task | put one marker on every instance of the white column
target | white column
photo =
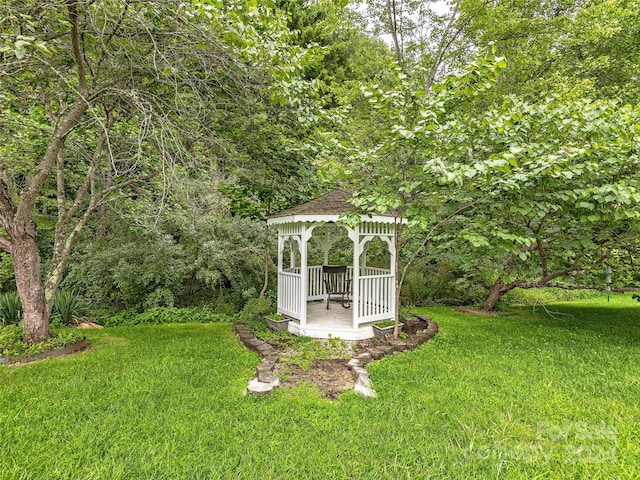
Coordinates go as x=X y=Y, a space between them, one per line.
x=279 y=293
x=354 y=235
x=306 y=231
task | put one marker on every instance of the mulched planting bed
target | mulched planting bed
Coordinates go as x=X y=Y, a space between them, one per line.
x=331 y=377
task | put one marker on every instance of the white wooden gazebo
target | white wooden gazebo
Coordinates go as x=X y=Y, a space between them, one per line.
x=301 y=292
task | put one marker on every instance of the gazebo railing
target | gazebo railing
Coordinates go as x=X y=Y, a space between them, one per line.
x=377 y=294
x=289 y=293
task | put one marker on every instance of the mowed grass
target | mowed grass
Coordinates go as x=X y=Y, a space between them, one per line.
x=523 y=396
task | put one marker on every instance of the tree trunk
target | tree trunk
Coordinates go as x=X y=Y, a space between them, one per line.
x=495 y=294
x=26 y=261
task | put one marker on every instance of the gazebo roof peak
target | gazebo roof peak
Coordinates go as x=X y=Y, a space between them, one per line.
x=335 y=202
x=326 y=208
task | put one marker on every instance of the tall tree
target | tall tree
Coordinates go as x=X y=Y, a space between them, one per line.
x=101 y=97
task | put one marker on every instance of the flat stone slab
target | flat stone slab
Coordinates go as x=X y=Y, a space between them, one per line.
x=271 y=357
x=259 y=388
x=265 y=367
x=359 y=371
x=412 y=344
x=386 y=349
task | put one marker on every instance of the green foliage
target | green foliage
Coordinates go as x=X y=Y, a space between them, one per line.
x=387 y=323
x=161 y=315
x=68 y=306
x=10 y=308
x=7 y=280
x=280 y=338
x=195 y=257
x=254 y=312
x=11 y=344
x=306 y=351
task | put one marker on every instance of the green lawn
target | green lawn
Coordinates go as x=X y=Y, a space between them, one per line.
x=525 y=396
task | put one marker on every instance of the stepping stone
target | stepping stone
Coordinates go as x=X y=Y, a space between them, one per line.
x=429 y=334
x=266 y=349
x=364 y=380
x=259 y=388
x=412 y=344
x=271 y=357
x=253 y=343
x=265 y=367
x=386 y=349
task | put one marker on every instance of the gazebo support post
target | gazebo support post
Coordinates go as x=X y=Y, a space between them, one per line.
x=354 y=235
x=307 y=231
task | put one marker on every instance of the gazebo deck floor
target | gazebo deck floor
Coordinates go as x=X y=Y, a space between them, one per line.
x=337 y=322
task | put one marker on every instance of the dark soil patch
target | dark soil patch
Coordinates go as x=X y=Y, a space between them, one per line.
x=332 y=377
x=411 y=327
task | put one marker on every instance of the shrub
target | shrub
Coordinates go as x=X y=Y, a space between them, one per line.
x=10 y=308
x=254 y=311
x=159 y=315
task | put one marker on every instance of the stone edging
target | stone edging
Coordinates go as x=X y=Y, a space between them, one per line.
x=265 y=380
x=363 y=386
x=69 y=349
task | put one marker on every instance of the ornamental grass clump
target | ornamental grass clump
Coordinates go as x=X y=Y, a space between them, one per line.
x=10 y=308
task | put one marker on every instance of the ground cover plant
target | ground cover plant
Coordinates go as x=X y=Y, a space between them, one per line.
x=520 y=396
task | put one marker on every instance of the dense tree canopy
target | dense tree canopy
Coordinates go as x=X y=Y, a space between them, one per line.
x=502 y=130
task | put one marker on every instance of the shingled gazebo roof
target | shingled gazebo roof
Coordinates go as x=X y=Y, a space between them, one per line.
x=332 y=203
x=326 y=208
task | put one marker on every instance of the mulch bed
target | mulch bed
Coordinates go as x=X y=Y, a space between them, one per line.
x=331 y=377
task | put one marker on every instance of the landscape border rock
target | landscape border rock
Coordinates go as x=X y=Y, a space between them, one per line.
x=265 y=381
x=363 y=385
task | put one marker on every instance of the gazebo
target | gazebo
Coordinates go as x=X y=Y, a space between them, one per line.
x=301 y=289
